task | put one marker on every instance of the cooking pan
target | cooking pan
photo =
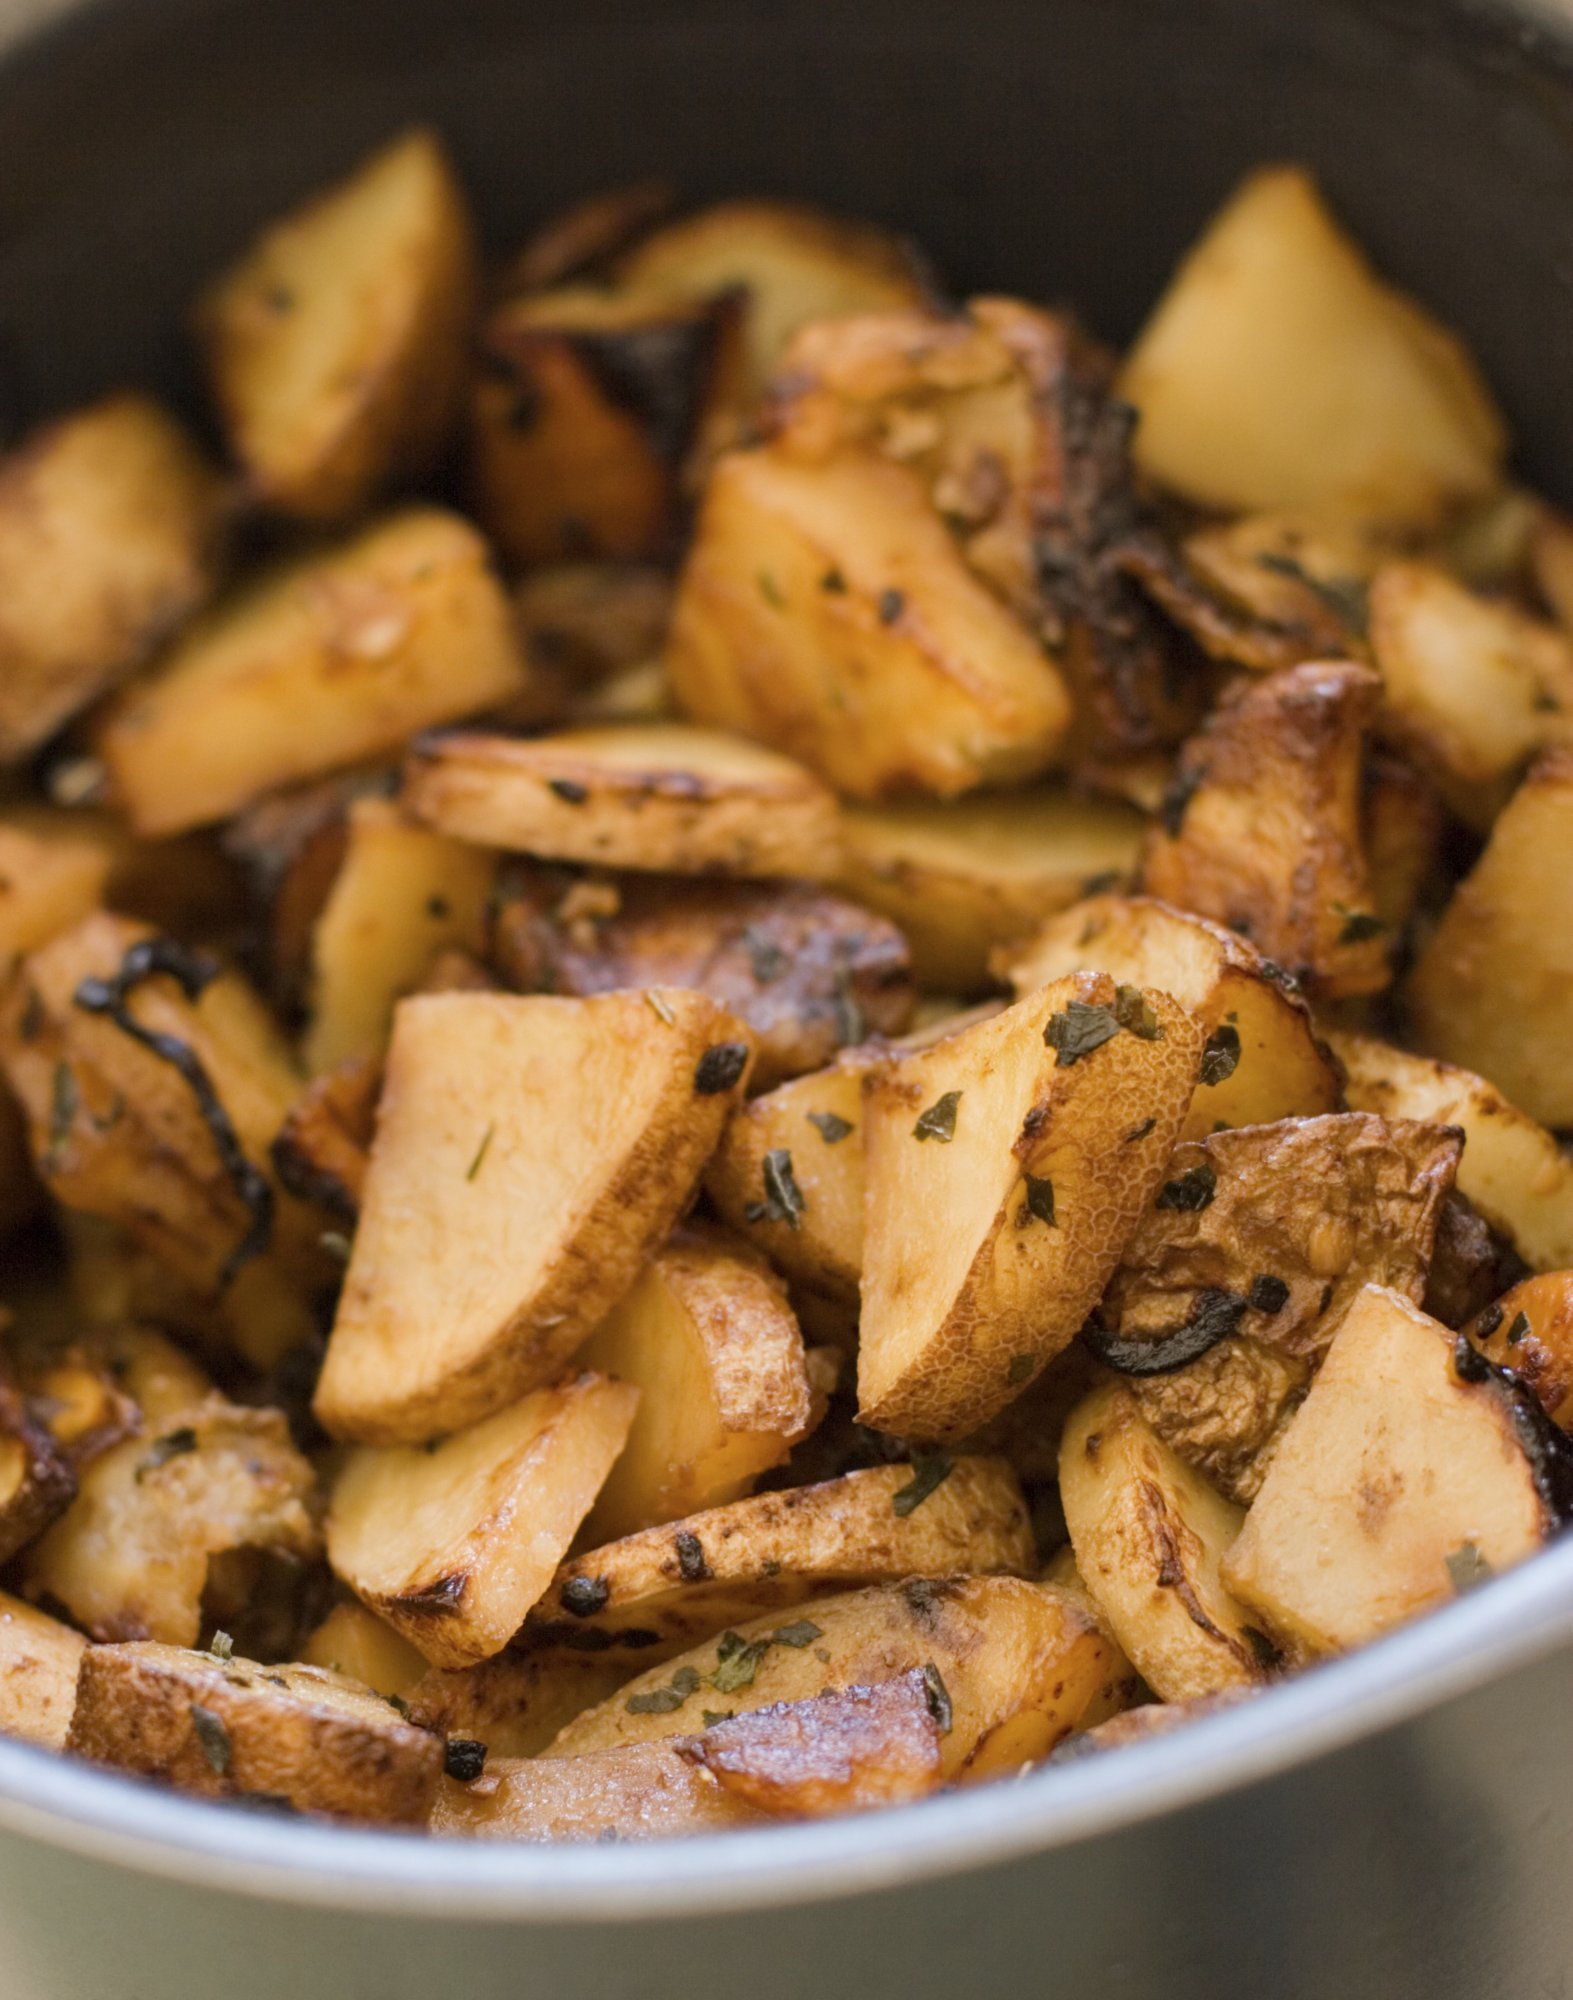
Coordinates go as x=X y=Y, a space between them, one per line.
x=1395 y=1825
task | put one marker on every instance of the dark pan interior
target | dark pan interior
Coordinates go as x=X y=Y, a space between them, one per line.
x=1065 y=149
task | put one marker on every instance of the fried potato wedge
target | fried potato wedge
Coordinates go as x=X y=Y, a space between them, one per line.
x=1030 y=1145
x=1144 y=1724
x=403 y=895
x=322 y=1147
x=1512 y=1170
x=1403 y=823
x=963 y=880
x=1277 y=589
x=1494 y=983
x=639 y=1791
x=54 y=868
x=453 y=1543
x=656 y=1593
x=1149 y=1534
x=37 y=1478
x=825 y=609
x=110 y=531
x=517 y=1702
x=707 y=1337
x=1226 y=1413
x=39 y=1661
x=291 y=1736
x=328 y=660
x=658 y=796
x=1530 y=1330
x=590 y=621
x=530 y=1153
x=356 y=1643
x=1262 y=1060
x=1279 y=371
x=336 y=344
x=1400 y=1483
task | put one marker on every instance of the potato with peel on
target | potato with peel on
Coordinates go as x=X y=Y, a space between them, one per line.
x=530 y=1153
x=655 y=1593
x=1262 y=1060
x=639 y=1791
x=453 y=1542
x=655 y=796
x=1007 y=1166
x=707 y=1337
x=1410 y=1474
x=357 y=1643
x=321 y=1150
x=336 y=344
x=516 y=1702
x=222 y=1727
x=1530 y=1330
x=1149 y=1534
x=39 y=1662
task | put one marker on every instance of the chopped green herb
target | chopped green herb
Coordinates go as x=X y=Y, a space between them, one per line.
x=1358 y=925
x=1221 y=1057
x=1079 y=1029
x=803 y=1632
x=397 y=1703
x=163 y=1449
x=1040 y=1198
x=1518 y=1328
x=221 y=1647
x=939 y=1121
x=771 y=591
x=830 y=1127
x=1135 y=1015
x=1191 y=1191
x=480 y=1153
x=1020 y=1369
x=938 y=1697
x=783 y=1200
x=851 y=1025
x=930 y=1470
x=737 y=1662
x=1140 y=1131
x=62 y=1111
x=659 y=1008
x=1467 y=1568
x=212 y=1738
x=569 y=790
x=1346 y=597
x=1489 y=1321
x=720 y=1067
x=833 y=582
x=766 y=957
x=665 y=1700
x=711 y=1716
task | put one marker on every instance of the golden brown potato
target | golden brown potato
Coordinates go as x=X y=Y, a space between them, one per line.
x=1149 y=1532
x=707 y=1337
x=110 y=526
x=1471 y=1264
x=1278 y=371
x=327 y=660
x=578 y=240
x=336 y=344
x=356 y=1643
x=825 y=609
x=517 y=1702
x=39 y=1660
x=321 y=1150
x=1402 y=822
x=291 y=1737
x=54 y=869
x=1015 y=1666
x=1494 y=983
x=689 y=801
x=37 y=1479
x=1226 y=1413
x=530 y=1153
x=641 y=1791
x=1262 y=831
x=806 y=971
x=1029 y=1145
x=1262 y=1060
x=1530 y=1330
x=590 y=621
x=402 y=895
x=656 y=1593
x=1401 y=1482
x=962 y=880
x=452 y=1543
x=1152 y=1719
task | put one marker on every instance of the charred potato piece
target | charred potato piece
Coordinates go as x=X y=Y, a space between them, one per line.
x=37 y=1482
x=39 y=1662
x=1471 y=1264
x=578 y=240
x=1403 y=823
x=591 y=621
x=1262 y=1060
x=1226 y=1413
x=1404 y=1480
x=517 y=1702
x=1030 y=1145
x=292 y=1736
x=807 y=972
x=336 y=345
x=529 y=1155
x=54 y=868
x=403 y=894
x=1494 y=983
x=640 y=1791
x=356 y=1643
x=965 y=879
x=1149 y=1534
x=110 y=525
x=686 y=801
x=1530 y=1330
x=321 y=1151
x=327 y=660
x=1262 y=829
x=661 y=1591
x=1278 y=371
x=708 y=1338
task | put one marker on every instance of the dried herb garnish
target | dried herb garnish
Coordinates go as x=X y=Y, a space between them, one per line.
x=1489 y=1321
x=1221 y=1056
x=1040 y=1198
x=212 y=1739
x=584 y=1596
x=1140 y=1131
x=930 y=1470
x=148 y=959
x=851 y=1023
x=1518 y=1329
x=1467 y=1568
x=1214 y=1315
x=766 y=957
x=830 y=1126
x=464 y=1758
x=1345 y=596
x=163 y=1449
x=1020 y=1369
x=711 y=1716
x=833 y=582
x=783 y=1200
x=659 y=1008
x=720 y=1067
x=62 y=1111
x=1358 y=925
x=939 y=1121
x=891 y=605
x=1182 y=788
x=1078 y=1029
x=771 y=591
x=802 y=1632
x=1268 y=1294
x=480 y=1153
x=1191 y=1191
x=737 y=1662
x=221 y=1647
x=1135 y=1015
x=938 y=1697
x=665 y=1700
x=397 y=1703
x=691 y=1564
x=1548 y=1449
x=569 y=790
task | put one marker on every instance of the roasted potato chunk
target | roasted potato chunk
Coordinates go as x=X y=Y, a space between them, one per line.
x=1403 y=824
x=356 y=1643
x=1403 y=1480
x=110 y=532
x=336 y=345
x=1225 y=1413
x=529 y=1155
x=686 y=801
x=327 y=660
x=825 y=609
x=1262 y=1060
x=54 y=869
x=321 y=1151
x=1494 y=984
x=517 y=1702
x=1031 y=1144
x=39 y=1661
x=37 y=1481
x=453 y=1543
x=807 y=972
x=1530 y=1330
x=1262 y=828
x=1149 y=1533
x=225 y=1728
x=1278 y=371
x=707 y=1337
x=1144 y=1724
x=965 y=879
x=639 y=1791
x=660 y=1591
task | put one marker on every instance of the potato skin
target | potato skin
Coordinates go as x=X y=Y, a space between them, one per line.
x=39 y=1661
x=641 y=1791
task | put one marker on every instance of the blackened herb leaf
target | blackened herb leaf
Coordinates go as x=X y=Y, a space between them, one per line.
x=584 y=1596
x=480 y=1153
x=1020 y=1369
x=212 y=1738
x=802 y=1632
x=939 y=1121
x=1213 y=1316
x=938 y=1697
x=1345 y=596
x=783 y=1200
x=1140 y=1131
x=1358 y=925
x=1135 y=1015
x=766 y=957
x=1489 y=1321
x=930 y=1470
x=720 y=1067
x=737 y=1662
x=569 y=790
x=464 y=1759
x=691 y=1564
x=1040 y=1198
x=1268 y=1294
x=830 y=1127
x=1518 y=1328
x=1191 y=1191
x=163 y=1449
x=1467 y=1568
x=1221 y=1057
x=833 y=582
x=665 y=1700
x=1079 y=1029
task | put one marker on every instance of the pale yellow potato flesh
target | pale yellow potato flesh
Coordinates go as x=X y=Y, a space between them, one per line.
x=39 y=1661
x=357 y=1643
x=638 y=1791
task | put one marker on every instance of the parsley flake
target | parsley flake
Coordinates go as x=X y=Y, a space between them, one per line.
x=939 y=1121
x=831 y=1127
x=1358 y=925
x=930 y=1470
x=175 y=1445
x=1040 y=1199
x=938 y=1697
x=1221 y=1056
x=665 y=1700
x=737 y=1662
x=720 y=1067
x=1467 y=1568
x=802 y=1632
x=1077 y=1030
x=1518 y=1328
x=212 y=1739
x=1191 y=1191
x=1135 y=1015
x=783 y=1200
x=480 y=1153
x=569 y=790
x=1268 y=1294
